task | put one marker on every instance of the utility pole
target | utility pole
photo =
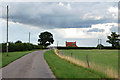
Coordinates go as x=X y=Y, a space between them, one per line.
x=57 y=43
x=99 y=42
x=29 y=37
x=7 y=33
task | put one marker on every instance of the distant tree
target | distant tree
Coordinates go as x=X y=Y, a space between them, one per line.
x=45 y=39
x=11 y=47
x=18 y=42
x=114 y=39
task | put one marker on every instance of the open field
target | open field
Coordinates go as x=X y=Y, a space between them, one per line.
x=64 y=69
x=101 y=57
x=12 y=56
x=104 y=61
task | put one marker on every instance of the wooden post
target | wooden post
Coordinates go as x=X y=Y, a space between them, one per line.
x=61 y=52
x=71 y=54
x=87 y=60
x=7 y=34
x=57 y=51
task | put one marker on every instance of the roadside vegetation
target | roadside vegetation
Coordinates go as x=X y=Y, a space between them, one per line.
x=12 y=57
x=65 y=69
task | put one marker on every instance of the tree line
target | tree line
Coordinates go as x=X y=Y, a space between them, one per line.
x=19 y=46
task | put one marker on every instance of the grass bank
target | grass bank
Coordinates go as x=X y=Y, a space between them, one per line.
x=12 y=57
x=64 y=69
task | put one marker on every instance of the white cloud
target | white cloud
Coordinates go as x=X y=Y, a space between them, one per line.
x=113 y=9
x=79 y=33
x=68 y=6
x=61 y=4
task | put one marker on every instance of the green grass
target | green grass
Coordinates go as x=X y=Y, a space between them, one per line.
x=64 y=69
x=107 y=58
x=12 y=56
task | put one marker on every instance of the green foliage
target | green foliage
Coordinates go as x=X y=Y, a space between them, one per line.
x=69 y=46
x=18 y=42
x=45 y=39
x=113 y=39
x=19 y=46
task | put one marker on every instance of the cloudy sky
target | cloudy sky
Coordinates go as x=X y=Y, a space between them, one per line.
x=83 y=22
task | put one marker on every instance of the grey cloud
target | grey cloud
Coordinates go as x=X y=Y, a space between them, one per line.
x=52 y=15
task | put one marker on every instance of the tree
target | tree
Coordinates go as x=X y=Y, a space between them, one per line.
x=46 y=39
x=113 y=39
x=18 y=42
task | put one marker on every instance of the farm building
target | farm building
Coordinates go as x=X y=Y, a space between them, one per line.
x=71 y=44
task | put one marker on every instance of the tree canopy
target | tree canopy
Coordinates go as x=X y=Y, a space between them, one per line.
x=45 y=39
x=114 y=40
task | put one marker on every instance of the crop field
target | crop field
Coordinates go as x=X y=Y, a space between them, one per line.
x=103 y=58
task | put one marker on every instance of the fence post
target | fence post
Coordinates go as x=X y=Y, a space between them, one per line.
x=61 y=52
x=87 y=60
x=57 y=51
x=71 y=54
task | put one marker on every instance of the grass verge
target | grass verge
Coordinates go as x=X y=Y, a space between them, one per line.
x=64 y=69
x=12 y=57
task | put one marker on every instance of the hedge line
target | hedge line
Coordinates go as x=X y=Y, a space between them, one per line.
x=19 y=47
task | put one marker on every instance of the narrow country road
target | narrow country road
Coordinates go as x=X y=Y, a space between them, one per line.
x=31 y=65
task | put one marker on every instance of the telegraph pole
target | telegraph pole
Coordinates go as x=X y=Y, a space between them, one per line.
x=100 y=43
x=7 y=33
x=57 y=43
x=29 y=37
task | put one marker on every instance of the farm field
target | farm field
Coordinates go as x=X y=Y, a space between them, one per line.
x=106 y=58
x=12 y=56
x=64 y=69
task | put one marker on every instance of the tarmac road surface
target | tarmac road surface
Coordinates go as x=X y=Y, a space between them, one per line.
x=32 y=65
